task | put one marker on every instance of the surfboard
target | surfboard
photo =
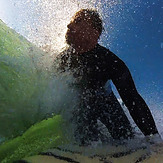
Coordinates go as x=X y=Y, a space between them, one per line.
x=47 y=141
x=102 y=154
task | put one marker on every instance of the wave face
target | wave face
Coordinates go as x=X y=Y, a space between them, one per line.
x=29 y=91
x=20 y=78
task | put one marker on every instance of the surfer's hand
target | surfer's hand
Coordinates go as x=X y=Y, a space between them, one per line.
x=156 y=143
x=154 y=139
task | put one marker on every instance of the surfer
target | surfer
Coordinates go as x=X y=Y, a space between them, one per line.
x=92 y=66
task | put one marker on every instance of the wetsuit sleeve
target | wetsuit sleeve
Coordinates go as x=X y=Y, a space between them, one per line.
x=137 y=107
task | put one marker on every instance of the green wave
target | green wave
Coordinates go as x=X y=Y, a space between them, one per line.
x=22 y=81
x=40 y=137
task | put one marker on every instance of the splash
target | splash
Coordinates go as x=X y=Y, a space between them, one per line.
x=31 y=92
x=45 y=21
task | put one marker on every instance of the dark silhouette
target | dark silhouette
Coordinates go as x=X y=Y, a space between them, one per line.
x=92 y=66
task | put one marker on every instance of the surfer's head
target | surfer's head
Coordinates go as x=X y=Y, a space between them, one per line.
x=93 y=16
x=84 y=30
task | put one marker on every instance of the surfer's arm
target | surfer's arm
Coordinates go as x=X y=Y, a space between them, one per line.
x=133 y=101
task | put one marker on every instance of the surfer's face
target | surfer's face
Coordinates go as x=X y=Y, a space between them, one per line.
x=80 y=33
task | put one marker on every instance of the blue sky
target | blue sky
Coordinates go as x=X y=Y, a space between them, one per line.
x=137 y=38
x=134 y=33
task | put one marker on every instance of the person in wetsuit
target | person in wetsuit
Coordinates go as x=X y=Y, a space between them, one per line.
x=92 y=66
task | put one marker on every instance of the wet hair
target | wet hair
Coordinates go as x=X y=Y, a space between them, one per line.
x=94 y=16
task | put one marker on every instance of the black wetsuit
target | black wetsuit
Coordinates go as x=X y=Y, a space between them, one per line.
x=92 y=70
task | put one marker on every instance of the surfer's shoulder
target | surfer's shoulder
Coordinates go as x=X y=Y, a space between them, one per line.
x=108 y=54
x=112 y=61
x=105 y=51
x=65 y=54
